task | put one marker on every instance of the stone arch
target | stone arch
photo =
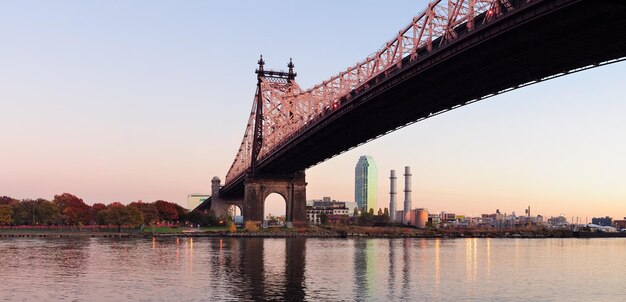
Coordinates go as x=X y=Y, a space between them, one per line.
x=235 y=209
x=275 y=209
x=292 y=188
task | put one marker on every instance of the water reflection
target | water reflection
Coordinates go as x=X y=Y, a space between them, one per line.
x=251 y=269
x=274 y=274
x=242 y=269
x=471 y=259
x=406 y=268
x=391 y=284
x=437 y=265
x=488 y=264
x=361 y=288
x=295 y=262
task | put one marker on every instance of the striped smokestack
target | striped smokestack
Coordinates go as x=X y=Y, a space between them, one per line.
x=407 y=195
x=392 y=196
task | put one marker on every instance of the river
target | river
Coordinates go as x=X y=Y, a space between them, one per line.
x=209 y=269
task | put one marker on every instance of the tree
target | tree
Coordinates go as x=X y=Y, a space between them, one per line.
x=149 y=211
x=204 y=218
x=6 y=200
x=135 y=218
x=367 y=218
x=232 y=227
x=386 y=215
x=117 y=214
x=74 y=210
x=167 y=210
x=356 y=212
x=251 y=226
x=182 y=212
x=98 y=213
x=24 y=212
x=6 y=214
x=101 y=217
x=323 y=218
x=46 y=212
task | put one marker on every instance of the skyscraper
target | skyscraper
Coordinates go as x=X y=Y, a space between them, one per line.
x=365 y=184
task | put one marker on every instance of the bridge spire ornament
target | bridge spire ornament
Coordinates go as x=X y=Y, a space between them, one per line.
x=261 y=63
x=291 y=76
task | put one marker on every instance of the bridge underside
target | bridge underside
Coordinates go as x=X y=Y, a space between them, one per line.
x=537 y=40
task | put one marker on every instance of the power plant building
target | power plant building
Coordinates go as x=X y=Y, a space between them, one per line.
x=365 y=185
x=419 y=218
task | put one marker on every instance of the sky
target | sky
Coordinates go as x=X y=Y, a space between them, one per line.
x=147 y=100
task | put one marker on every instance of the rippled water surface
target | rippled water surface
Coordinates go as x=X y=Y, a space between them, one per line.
x=207 y=269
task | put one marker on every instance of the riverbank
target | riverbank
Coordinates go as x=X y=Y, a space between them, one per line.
x=310 y=232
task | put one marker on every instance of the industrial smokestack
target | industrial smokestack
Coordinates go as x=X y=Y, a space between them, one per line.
x=407 y=195
x=392 y=196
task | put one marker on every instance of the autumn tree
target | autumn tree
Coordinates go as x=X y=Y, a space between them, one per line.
x=182 y=212
x=167 y=210
x=6 y=214
x=149 y=211
x=74 y=210
x=6 y=200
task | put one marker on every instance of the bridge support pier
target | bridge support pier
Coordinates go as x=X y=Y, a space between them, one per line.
x=291 y=187
x=219 y=205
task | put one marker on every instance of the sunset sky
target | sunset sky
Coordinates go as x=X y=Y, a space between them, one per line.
x=146 y=100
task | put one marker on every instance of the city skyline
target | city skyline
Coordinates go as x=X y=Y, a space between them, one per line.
x=126 y=111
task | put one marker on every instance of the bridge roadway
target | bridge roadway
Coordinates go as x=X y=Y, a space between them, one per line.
x=536 y=40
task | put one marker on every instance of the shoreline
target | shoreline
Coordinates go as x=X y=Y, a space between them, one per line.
x=324 y=233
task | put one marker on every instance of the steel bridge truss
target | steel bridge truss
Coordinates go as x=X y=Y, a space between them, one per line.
x=281 y=109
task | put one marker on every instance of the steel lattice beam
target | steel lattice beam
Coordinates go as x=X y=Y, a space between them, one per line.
x=281 y=109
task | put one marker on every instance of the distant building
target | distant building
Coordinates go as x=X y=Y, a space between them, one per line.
x=331 y=208
x=447 y=217
x=351 y=205
x=365 y=184
x=602 y=221
x=601 y=228
x=559 y=221
x=434 y=220
x=620 y=224
x=194 y=200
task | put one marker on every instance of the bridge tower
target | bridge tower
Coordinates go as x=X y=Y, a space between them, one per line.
x=258 y=186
